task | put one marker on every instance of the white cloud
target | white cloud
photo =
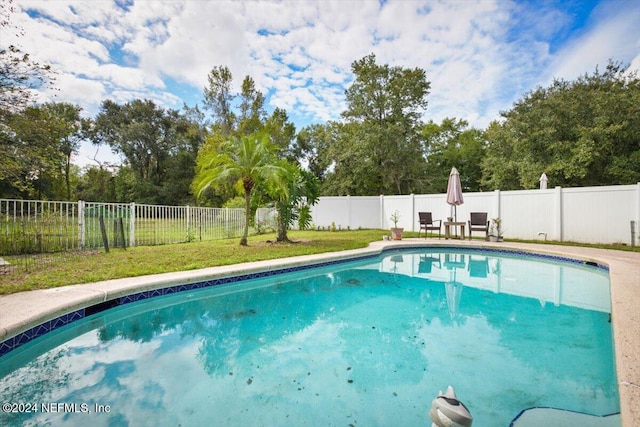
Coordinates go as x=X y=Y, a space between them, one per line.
x=58 y=36
x=612 y=33
x=199 y=36
x=85 y=92
x=480 y=56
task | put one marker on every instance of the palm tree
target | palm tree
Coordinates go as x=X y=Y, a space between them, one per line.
x=300 y=190
x=247 y=160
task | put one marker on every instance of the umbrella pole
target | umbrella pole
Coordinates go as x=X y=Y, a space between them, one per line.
x=454 y=208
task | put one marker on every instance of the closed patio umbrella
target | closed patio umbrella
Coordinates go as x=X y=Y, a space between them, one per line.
x=454 y=191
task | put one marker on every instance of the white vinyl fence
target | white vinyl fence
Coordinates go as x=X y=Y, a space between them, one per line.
x=607 y=214
x=30 y=226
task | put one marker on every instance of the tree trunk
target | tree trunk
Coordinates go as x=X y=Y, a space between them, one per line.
x=67 y=178
x=247 y=215
x=281 y=230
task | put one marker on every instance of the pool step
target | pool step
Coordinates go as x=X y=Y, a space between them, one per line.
x=551 y=417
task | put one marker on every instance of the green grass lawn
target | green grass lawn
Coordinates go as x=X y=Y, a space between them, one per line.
x=94 y=266
x=55 y=234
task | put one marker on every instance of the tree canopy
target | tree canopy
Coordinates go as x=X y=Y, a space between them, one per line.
x=452 y=143
x=38 y=142
x=580 y=133
x=378 y=150
x=159 y=146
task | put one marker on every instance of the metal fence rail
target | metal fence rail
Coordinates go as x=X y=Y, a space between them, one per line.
x=265 y=219
x=29 y=226
x=36 y=227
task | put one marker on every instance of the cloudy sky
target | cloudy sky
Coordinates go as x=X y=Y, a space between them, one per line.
x=480 y=56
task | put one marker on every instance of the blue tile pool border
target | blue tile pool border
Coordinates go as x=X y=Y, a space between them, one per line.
x=44 y=328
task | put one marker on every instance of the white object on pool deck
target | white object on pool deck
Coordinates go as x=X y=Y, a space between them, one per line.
x=550 y=417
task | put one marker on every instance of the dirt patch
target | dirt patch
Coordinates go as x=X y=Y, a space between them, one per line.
x=268 y=243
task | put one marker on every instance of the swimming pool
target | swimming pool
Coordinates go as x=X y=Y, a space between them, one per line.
x=368 y=342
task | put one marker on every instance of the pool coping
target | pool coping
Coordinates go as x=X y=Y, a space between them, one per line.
x=23 y=311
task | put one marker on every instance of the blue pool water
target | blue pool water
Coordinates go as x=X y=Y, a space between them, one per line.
x=361 y=343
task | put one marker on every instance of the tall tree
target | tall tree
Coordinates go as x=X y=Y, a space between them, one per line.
x=151 y=139
x=40 y=141
x=580 y=133
x=384 y=106
x=251 y=117
x=282 y=132
x=501 y=163
x=247 y=116
x=248 y=160
x=69 y=132
x=237 y=119
x=311 y=148
x=31 y=155
x=218 y=97
x=350 y=166
x=448 y=144
x=97 y=184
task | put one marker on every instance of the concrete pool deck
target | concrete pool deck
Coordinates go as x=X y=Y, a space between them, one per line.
x=21 y=311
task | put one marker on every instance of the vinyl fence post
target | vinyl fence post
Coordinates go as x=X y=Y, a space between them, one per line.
x=348 y=211
x=558 y=226
x=382 y=227
x=81 y=224
x=413 y=212
x=132 y=224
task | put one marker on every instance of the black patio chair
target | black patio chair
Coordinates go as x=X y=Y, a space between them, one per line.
x=427 y=223
x=479 y=222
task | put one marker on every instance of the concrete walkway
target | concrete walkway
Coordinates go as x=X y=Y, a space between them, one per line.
x=22 y=311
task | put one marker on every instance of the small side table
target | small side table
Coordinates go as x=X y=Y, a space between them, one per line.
x=449 y=224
